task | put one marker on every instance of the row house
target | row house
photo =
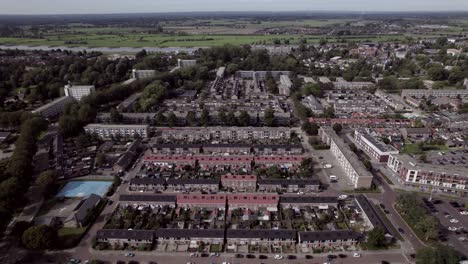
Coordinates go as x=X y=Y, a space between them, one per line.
x=266 y=237
x=111 y=130
x=308 y=201
x=239 y=183
x=176 y=148
x=227 y=148
x=253 y=201
x=416 y=134
x=370 y=215
x=124 y=237
x=375 y=148
x=152 y=200
x=428 y=177
x=269 y=149
x=193 y=185
x=147 y=184
x=337 y=239
x=293 y=185
x=202 y=200
x=354 y=170
x=361 y=122
x=191 y=237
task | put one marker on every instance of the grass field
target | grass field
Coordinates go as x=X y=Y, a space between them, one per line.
x=163 y=40
x=416 y=149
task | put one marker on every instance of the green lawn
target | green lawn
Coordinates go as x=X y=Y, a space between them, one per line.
x=69 y=236
x=416 y=148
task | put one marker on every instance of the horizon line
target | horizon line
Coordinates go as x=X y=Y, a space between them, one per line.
x=245 y=11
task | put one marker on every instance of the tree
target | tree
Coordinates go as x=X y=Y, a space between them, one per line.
x=312 y=88
x=269 y=117
x=191 y=118
x=437 y=73
x=39 y=237
x=231 y=118
x=310 y=128
x=376 y=238
x=205 y=117
x=439 y=254
x=115 y=115
x=337 y=127
x=46 y=182
x=171 y=119
x=100 y=159
x=222 y=116
x=244 y=118
x=271 y=85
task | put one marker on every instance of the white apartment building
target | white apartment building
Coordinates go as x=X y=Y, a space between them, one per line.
x=78 y=91
x=186 y=63
x=450 y=93
x=427 y=177
x=54 y=108
x=108 y=131
x=359 y=176
x=143 y=74
x=375 y=148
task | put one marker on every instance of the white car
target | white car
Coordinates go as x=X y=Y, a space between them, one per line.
x=454 y=221
x=452 y=228
x=356 y=255
x=343 y=197
x=300 y=193
x=278 y=257
x=464 y=212
x=463 y=239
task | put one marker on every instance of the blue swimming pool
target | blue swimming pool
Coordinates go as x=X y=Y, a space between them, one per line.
x=84 y=188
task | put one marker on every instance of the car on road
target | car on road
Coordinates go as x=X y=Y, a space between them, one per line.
x=300 y=193
x=291 y=257
x=193 y=254
x=214 y=255
x=356 y=255
x=239 y=256
x=129 y=254
x=452 y=228
x=250 y=256
x=342 y=255
x=278 y=257
x=263 y=257
x=455 y=204
x=401 y=230
x=464 y=212
x=309 y=256
x=463 y=239
x=74 y=261
x=330 y=257
x=453 y=221
x=343 y=197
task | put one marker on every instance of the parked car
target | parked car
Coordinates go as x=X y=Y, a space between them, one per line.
x=401 y=230
x=129 y=254
x=356 y=255
x=278 y=257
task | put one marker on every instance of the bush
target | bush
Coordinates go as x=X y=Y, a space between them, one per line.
x=39 y=237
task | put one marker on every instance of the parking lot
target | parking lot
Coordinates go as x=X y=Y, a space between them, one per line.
x=326 y=157
x=450 y=218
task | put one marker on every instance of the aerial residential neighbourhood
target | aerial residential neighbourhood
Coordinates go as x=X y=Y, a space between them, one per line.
x=262 y=133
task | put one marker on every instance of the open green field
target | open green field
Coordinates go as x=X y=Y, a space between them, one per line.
x=163 y=40
x=416 y=149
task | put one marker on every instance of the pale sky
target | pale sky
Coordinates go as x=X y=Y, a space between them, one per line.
x=149 y=6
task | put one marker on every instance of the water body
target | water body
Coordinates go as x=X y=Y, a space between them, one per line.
x=104 y=49
x=84 y=188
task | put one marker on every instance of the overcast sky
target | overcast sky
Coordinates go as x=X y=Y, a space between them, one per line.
x=138 y=6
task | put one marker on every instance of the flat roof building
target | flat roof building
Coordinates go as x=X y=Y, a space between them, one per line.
x=376 y=148
x=54 y=108
x=354 y=170
x=109 y=131
x=78 y=91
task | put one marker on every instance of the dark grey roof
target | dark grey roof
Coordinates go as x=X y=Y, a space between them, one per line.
x=226 y=146
x=147 y=198
x=4 y=134
x=125 y=234
x=288 y=182
x=369 y=210
x=148 y=181
x=173 y=146
x=327 y=235
x=189 y=233
x=125 y=160
x=86 y=207
x=261 y=233
x=308 y=199
x=277 y=146
x=192 y=181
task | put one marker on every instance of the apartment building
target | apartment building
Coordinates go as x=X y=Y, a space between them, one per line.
x=427 y=177
x=374 y=147
x=239 y=183
x=389 y=100
x=308 y=201
x=128 y=103
x=231 y=134
x=354 y=170
x=54 y=108
x=186 y=63
x=267 y=237
x=143 y=74
x=146 y=184
x=109 y=131
x=361 y=122
x=78 y=91
x=419 y=93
